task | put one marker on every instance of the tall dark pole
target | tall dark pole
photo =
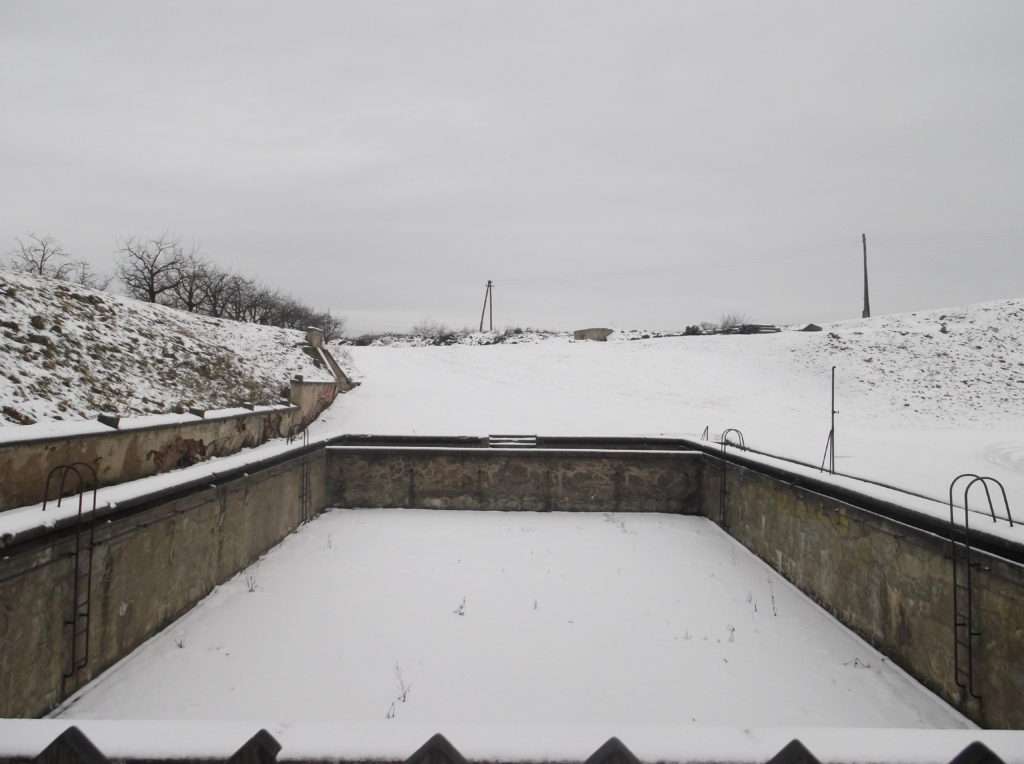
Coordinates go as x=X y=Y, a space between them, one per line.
x=487 y=299
x=867 y=301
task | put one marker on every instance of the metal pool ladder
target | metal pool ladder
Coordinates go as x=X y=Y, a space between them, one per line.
x=78 y=619
x=965 y=626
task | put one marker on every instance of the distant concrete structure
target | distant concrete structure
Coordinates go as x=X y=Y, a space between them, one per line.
x=595 y=335
x=315 y=336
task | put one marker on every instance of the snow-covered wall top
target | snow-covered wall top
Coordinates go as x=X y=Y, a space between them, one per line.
x=69 y=353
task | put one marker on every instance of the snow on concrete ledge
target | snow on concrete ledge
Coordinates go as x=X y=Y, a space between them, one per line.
x=226 y=413
x=155 y=420
x=45 y=430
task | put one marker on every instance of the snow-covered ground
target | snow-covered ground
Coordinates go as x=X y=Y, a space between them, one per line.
x=69 y=353
x=965 y=412
x=419 y=616
x=921 y=397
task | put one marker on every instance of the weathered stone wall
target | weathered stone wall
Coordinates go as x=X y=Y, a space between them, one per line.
x=889 y=582
x=312 y=398
x=120 y=455
x=130 y=454
x=150 y=565
x=531 y=479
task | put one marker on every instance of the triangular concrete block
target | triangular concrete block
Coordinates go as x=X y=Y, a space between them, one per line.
x=437 y=750
x=71 y=747
x=261 y=748
x=977 y=753
x=795 y=752
x=613 y=751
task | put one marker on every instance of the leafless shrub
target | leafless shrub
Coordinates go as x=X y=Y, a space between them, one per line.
x=403 y=688
x=732 y=321
x=432 y=329
x=403 y=693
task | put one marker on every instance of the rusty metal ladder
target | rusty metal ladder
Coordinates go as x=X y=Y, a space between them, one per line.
x=77 y=620
x=966 y=629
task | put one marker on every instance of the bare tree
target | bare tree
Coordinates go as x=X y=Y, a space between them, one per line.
x=150 y=268
x=332 y=325
x=217 y=289
x=240 y=291
x=190 y=292
x=81 y=272
x=262 y=306
x=42 y=256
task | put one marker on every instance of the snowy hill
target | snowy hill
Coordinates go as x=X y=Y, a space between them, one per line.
x=955 y=365
x=67 y=352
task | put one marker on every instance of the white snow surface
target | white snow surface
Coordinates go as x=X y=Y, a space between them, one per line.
x=430 y=616
x=70 y=353
x=917 y=405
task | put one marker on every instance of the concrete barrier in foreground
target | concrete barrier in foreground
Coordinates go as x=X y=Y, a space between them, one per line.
x=298 y=743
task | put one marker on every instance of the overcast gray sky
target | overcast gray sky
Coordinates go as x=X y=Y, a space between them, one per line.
x=606 y=163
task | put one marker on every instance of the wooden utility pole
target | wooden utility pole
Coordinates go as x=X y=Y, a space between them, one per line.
x=867 y=302
x=488 y=301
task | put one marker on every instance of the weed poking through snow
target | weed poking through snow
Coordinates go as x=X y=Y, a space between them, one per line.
x=461 y=609
x=857 y=663
x=403 y=688
x=250 y=582
x=403 y=693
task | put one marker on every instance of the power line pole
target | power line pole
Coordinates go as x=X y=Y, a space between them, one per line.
x=867 y=302
x=488 y=300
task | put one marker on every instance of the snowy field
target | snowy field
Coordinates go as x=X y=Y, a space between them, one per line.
x=417 y=616
x=922 y=397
